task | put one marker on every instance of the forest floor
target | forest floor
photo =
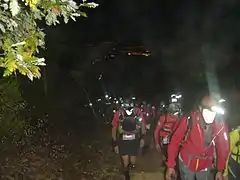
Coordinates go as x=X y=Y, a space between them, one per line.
x=71 y=155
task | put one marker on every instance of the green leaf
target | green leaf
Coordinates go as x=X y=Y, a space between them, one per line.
x=83 y=14
x=14 y=7
x=2 y=28
x=90 y=5
x=20 y=36
x=7 y=73
x=73 y=18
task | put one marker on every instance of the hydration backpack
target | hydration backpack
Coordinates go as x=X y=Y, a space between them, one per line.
x=129 y=123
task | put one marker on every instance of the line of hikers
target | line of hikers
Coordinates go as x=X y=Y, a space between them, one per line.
x=195 y=145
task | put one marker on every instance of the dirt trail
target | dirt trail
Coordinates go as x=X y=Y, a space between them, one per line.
x=149 y=167
x=67 y=157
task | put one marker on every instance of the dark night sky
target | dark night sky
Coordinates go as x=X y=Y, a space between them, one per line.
x=161 y=25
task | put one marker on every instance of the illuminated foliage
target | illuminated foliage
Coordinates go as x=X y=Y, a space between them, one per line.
x=21 y=37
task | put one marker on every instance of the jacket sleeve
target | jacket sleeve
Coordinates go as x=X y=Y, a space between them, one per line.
x=115 y=119
x=158 y=128
x=222 y=147
x=140 y=113
x=174 y=144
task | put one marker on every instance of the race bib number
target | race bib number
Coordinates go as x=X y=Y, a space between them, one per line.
x=165 y=140
x=127 y=137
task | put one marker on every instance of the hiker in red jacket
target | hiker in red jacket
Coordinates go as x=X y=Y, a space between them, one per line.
x=128 y=130
x=166 y=126
x=203 y=142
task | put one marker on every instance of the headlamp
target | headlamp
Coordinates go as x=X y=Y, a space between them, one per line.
x=179 y=96
x=129 y=112
x=222 y=101
x=176 y=113
x=218 y=110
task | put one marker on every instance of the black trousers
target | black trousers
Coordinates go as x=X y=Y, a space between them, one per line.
x=233 y=169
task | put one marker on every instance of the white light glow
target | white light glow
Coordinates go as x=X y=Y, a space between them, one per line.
x=209 y=116
x=174 y=100
x=218 y=109
x=129 y=112
x=225 y=136
x=179 y=96
x=221 y=100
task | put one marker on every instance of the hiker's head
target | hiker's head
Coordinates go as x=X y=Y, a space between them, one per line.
x=209 y=108
x=174 y=109
x=127 y=104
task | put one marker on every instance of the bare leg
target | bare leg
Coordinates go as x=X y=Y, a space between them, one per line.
x=125 y=167
x=133 y=160
x=125 y=161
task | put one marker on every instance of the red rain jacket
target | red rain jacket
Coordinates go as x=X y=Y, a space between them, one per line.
x=194 y=145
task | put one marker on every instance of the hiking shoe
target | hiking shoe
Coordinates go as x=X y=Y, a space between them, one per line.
x=132 y=166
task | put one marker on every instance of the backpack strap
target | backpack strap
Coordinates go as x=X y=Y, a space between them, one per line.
x=121 y=115
x=189 y=128
x=165 y=118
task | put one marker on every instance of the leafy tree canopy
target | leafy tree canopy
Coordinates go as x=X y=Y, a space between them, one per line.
x=21 y=37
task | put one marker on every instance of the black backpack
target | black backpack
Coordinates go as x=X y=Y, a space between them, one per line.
x=129 y=123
